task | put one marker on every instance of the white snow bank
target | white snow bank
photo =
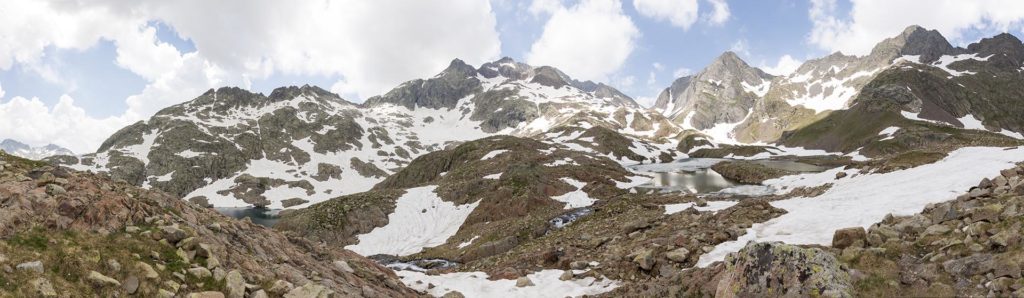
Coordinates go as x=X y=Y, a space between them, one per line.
x=577 y=198
x=420 y=220
x=467 y=243
x=783 y=151
x=492 y=154
x=476 y=284
x=712 y=206
x=887 y=132
x=633 y=181
x=866 y=199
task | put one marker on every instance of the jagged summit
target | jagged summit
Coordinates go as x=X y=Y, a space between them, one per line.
x=721 y=93
x=916 y=40
x=289 y=92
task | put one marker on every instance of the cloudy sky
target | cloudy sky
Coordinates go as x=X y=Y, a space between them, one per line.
x=72 y=72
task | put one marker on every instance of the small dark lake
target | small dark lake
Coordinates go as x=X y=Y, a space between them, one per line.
x=694 y=175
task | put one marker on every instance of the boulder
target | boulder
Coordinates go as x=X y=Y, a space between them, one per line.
x=55 y=190
x=566 y=275
x=847 y=237
x=280 y=287
x=976 y=264
x=774 y=269
x=147 y=270
x=310 y=290
x=678 y=255
x=130 y=285
x=34 y=266
x=453 y=294
x=207 y=294
x=936 y=230
x=100 y=280
x=43 y=288
x=578 y=265
x=343 y=266
x=524 y=282
x=989 y=213
x=164 y=294
x=644 y=259
x=173 y=234
x=200 y=272
x=235 y=284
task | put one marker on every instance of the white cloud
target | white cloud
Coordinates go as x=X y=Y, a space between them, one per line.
x=32 y=122
x=871 y=21
x=682 y=72
x=785 y=66
x=362 y=42
x=652 y=79
x=719 y=12
x=142 y=53
x=657 y=66
x=680 y=13
x=1 y=91
x=542 y=7
x=645 y=101
x=589 y=40
x=740 y=48
x=626 y=82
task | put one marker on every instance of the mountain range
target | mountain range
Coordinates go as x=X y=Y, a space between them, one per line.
x=514 y=179
x=23 y=150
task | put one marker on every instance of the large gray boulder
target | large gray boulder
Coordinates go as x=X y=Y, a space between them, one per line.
x=776 y=269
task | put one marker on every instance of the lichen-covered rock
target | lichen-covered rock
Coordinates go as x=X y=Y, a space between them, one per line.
x=776 y=269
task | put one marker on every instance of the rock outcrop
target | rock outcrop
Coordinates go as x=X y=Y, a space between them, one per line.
x=107 y=238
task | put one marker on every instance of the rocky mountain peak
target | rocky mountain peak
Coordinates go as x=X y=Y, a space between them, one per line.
x=915 y=40
x=549 y=76
x=287 y=93
x=721 y=93
x=459 y=69
x=1003 y=43
x=728 y=58
x=729 y=64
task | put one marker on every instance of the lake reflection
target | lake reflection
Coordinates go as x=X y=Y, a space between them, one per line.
x=696 y=181
x=260 y=216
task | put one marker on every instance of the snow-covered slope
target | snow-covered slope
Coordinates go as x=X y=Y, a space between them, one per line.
x=301 y=145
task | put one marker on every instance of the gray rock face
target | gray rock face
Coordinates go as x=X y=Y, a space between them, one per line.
x=722 y=93
x=443 y=91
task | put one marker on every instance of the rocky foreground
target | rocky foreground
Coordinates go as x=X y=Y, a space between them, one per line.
x=75 y=234
x=969 y=247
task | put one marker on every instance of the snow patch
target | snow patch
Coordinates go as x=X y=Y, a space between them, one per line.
x=467 y=243
x=420 y=220
x=475 y=284
x=577 y=198
x=714 y=206
x=887 y=132
x=492 y=154
x=867 y=198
